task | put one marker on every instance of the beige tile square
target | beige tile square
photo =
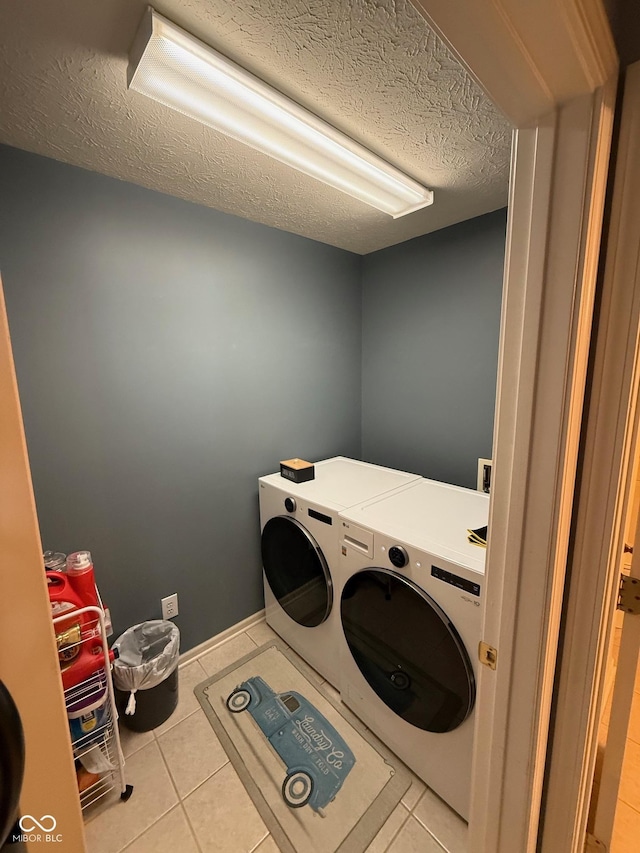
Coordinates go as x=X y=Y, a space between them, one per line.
x=634 y=721
x=188 y=677
x=617 y=636
x=414 y=793
x=192 y=752
x=153 y=796
x=227 y=653
x=132 y=741
x=222 y=815
x=389 y=830
x=171 y=834
x=414 y=838
x=442 y=822
x=262 y=633
x=626 y=829
x=630 y=778
x=606 y=711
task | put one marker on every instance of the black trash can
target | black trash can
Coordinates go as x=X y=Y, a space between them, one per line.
x=145 y=674
x=153 y=706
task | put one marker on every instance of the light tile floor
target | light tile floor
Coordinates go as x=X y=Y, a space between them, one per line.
x=626 y=830
x=188 y=798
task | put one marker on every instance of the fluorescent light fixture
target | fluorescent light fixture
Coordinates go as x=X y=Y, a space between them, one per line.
x=175 y=69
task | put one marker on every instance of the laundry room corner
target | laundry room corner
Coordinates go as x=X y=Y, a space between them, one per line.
x=167 y=354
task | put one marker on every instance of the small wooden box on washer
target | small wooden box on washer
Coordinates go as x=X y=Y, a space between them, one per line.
x=297 y=470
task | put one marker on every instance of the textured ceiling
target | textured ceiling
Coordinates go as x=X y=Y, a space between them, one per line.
x=372 y=68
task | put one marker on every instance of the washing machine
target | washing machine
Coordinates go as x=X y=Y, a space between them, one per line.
x=411 y=614
x=301 y=551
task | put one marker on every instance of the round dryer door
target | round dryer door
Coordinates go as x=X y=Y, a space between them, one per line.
x=407 y=650
x=296 y=571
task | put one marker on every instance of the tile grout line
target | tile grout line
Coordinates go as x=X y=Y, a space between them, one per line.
x=399 y=830
x=171 y=728
x=190 y=825
x=164 y=814
x=138 y=837
x=228 y=761
x=175 y=787
x=437 y=840
x=628 y=805
x=428 y=831
x=177 y=723
x=216 y=647
x=187 y=660
x=210 y=776
x=264 y=838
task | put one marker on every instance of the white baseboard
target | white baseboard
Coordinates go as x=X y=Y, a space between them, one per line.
x=222 y=637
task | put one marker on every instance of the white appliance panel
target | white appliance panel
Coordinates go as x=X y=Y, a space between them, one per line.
x=337 y=483
x=425 y=524
x=431 y=516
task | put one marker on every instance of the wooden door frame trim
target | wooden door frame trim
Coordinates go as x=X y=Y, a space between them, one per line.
x=29 y=663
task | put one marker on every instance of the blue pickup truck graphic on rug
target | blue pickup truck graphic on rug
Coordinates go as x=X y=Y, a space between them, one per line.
x=317 y=759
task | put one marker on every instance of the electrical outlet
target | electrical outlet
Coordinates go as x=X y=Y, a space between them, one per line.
x=169 y=606
x=484 y=475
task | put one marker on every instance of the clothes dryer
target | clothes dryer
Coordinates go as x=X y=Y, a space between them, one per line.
x=411 y=613
x=301 y=551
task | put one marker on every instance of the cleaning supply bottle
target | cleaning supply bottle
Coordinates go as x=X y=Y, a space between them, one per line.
x=69 y=632
x=81 y=577
x=54 y=561
x=89 y=660
x=79 y=643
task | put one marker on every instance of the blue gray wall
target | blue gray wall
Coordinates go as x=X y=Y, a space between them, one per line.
x=167 y=355
x=430 y=328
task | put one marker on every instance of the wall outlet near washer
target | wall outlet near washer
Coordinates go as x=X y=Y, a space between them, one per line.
x=484 y=475
x=169 y=606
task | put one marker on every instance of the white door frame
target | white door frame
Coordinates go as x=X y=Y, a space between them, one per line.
x=550 y=66
x=611 y=441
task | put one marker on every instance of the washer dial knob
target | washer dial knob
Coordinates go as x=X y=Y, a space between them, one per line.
x=398 y=556
x=290 y=504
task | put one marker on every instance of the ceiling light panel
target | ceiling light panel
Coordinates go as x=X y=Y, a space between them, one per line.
x=177 y=70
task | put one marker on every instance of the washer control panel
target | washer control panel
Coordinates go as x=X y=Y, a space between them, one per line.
x=290 y=504
x=455 y=580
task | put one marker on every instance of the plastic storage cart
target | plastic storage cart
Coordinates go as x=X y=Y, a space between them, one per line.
x=89 y=697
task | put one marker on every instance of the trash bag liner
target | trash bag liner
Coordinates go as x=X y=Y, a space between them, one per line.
x=148 y=653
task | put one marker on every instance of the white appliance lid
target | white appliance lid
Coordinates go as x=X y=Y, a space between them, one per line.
x=340 y=482
x=430 y=516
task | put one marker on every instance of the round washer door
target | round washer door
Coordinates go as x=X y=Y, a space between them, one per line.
x=296 y=571
x=407 y=649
